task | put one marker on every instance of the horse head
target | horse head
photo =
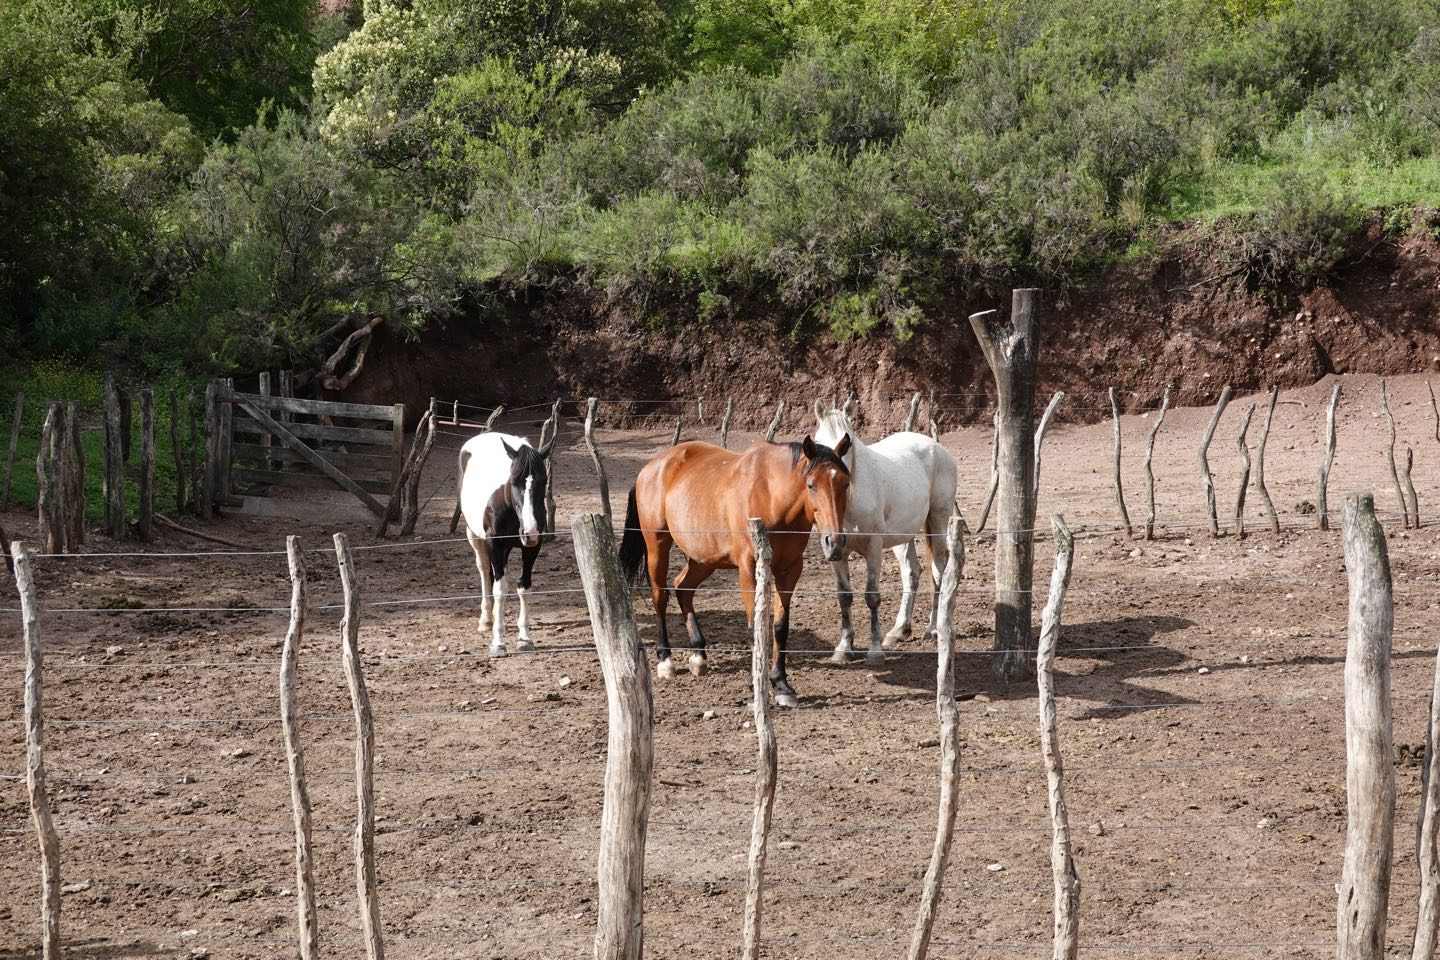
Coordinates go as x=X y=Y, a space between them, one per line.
x=528 y=480
x=827 y=491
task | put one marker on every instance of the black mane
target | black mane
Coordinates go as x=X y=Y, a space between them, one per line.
x=823 y=454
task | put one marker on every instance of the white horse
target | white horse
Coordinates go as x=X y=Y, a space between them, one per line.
x=901 y=487
x=502 y=492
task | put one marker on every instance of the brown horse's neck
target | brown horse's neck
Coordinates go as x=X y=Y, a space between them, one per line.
x=789 y=506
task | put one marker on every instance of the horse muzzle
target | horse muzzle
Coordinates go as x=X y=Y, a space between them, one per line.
x=530 y=539
x=832 y=545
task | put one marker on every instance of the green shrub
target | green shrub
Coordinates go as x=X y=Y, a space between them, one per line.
x=1295 y=238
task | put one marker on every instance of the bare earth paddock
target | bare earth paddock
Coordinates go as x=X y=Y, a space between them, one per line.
x=1200 y=701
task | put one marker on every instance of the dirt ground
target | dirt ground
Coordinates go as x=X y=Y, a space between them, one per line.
x=1200 y=685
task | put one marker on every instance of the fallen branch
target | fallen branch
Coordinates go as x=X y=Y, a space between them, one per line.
x=165 y=521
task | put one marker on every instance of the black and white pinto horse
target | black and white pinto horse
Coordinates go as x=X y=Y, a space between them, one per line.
x=502 y=494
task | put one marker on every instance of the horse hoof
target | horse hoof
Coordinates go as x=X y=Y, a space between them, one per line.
x=697 y=665
x=525 y=645
x=788 y=700
x=840 y=655
x=497 y=651
x=484 y=626
x=894 y=637
x=875 y=658
x=665 y=669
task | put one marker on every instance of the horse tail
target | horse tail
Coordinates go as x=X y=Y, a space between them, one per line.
x=632 y=544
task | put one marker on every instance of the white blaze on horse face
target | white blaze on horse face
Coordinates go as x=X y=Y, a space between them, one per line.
x=529 y=526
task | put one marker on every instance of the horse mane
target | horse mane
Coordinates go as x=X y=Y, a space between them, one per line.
x=527 y=461
x=823 y=454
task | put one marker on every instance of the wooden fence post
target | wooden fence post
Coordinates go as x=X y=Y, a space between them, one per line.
x=1149 y=471
x=1394 y=475
x=1322 y=509
x=1427 y=833
x=49 y=480
x=1260 y=464
x=1364 y=887
x=774 y=427
x=619 y=933
x=675 y=440
x=550 y=485
x=495 y=414
x=994 y=473
x=127 y=423
x=949 y=714
x=767 y=761
x=1119 y=488
x=114 y=463
x=364 y=754
x=35 y=753
x=208 y=478
x=177 y=452
x=1205 y=479
x=1062 y=856
x=725 y=423
x=227 y=437
x=416 y=470
x=603 y=480
x=74 y=473
x=1011 y=349
x=295 y=754
x=1244 y=471
x=1410 y=495
x=1045 y=418
x=914 y=411
x=147 y=461
x=14 y=442
x=265 y=440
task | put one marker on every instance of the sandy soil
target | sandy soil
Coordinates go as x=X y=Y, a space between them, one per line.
x=1201 y=721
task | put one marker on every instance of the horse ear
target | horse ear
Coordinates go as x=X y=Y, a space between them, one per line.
x=849 y=407
x=819 y=409
x=807 y=447
x=510 y=450
x=843 y=446
x=545 y=450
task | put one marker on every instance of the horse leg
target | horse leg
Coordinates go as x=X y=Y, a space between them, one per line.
x=874 y=554
x=785 y=581
x=845 y=647
x=937 y=559
x=527 y=564
x=691 y=576
x=482 y=562
x=657 y=558
x=909 y=583
x=501 y=558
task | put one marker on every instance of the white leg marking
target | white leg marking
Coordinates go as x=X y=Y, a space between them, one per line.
x=909 y=579
x=524 y=643
x=497 y=639
x=847 y=597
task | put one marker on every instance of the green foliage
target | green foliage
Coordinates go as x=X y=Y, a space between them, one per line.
x=1295 y=238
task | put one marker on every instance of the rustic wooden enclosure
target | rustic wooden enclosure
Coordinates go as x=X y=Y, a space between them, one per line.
x=281 y=442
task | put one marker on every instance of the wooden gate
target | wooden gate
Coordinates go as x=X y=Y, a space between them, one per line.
x=269 y=442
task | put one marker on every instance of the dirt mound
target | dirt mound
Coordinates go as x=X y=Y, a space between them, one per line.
x=1177 y=321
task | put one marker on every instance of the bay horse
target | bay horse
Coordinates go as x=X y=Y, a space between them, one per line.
x=502 y=491
x=901 y=487
x=700 y=497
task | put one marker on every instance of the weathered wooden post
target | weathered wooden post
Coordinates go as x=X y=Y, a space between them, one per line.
x=1322 y=509
x=1045 y=418
x=949 y=714
x=1011 y=349
x=914 y=411
x=14 y=442
x=550 y=486
x=1149 y=471
x=774 y=427
x=767 y=761
x=49 y=480
x=208 y=490
x=1119 y=488
x=1427 y=835
x=114 y=463
x=177 y=453
x=725 y=423
x=127 y=424
x=35 y=753
x=1205 y=479
x=495 y=414
x=74 y=478
x=227 y=437
x=1410 y=495
x=1062 y=855
x=1390 y=453
x=1434 y=411
x=620 y=933
x=994 y=473
x=295 y=754
x=365 y=880
x=603 y=480
x=1260 y=464
x=1364 y=888
x=416 y=470
x=1244 y=471
x=265 y=440
x=147 y=462
x=675 y=440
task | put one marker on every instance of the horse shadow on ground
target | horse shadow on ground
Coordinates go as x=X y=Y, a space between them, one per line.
x=1111 y=654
